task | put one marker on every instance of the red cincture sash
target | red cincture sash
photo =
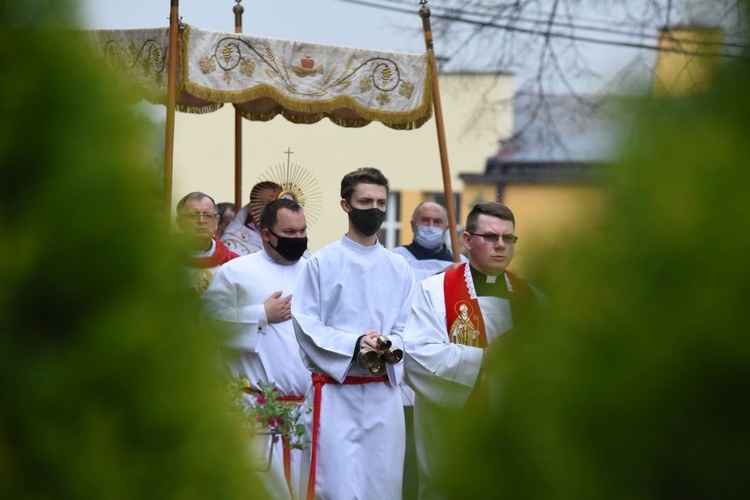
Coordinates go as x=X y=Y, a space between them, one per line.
x=464 y=322
x=318 y=382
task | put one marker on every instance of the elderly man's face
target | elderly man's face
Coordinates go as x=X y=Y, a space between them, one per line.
x=430 y=214
x=198 y=220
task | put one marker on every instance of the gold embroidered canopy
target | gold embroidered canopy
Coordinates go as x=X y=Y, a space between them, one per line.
x=265 y=77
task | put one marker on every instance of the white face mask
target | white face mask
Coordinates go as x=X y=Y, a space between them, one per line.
x=429 y=237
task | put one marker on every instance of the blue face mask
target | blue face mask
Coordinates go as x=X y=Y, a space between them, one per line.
x=429 y=237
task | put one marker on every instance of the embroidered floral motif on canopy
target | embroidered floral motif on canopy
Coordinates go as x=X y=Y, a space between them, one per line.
x=264 y=77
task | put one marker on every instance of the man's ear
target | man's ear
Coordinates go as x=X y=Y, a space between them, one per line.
x=265 y=235
x=466 y=240
x=345 y=205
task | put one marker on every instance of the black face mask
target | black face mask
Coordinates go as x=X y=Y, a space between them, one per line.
x=291 y=249
x=367 y=221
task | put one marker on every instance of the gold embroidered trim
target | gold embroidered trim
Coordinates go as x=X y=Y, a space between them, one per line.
x=299 y=94
x=340 y=109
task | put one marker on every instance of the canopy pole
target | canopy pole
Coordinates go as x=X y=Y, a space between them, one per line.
x=424 y=13
x=171 y=102
x=238 y=11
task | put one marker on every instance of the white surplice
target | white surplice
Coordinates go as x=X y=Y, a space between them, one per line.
x=259 y=350
x=239 y=238
x=442 y=374
x=346 y=290
x=424 y=268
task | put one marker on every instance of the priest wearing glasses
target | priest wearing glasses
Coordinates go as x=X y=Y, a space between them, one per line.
x=203 y=252
x=457 y=318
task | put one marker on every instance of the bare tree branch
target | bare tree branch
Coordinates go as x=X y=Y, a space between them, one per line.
x=557 y=46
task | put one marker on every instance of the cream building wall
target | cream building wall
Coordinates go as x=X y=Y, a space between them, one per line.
x=477 y=111
x=549 y=216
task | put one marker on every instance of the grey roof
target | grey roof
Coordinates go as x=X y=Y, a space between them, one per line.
x=557 y=139
x=560 y=128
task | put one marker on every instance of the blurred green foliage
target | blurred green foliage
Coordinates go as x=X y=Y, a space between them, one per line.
x=633 y=384
x=109 y=386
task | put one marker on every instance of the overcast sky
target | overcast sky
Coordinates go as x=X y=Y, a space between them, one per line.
x=332 y=22
x=319 y=21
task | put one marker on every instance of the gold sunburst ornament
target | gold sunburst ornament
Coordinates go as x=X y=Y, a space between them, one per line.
x=290 y=181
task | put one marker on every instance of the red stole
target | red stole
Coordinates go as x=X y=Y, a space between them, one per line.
x=464 y=320
x=463 y=314
x=462 y=310
x=220 y=256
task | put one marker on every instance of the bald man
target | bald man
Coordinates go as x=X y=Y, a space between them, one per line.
x=428 y=254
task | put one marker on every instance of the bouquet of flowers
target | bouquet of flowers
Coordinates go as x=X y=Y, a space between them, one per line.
x=270 y=412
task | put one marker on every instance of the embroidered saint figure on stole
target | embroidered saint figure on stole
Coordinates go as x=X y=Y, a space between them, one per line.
x=462 y=330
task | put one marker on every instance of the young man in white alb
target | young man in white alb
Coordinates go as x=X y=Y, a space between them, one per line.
x=352 y=292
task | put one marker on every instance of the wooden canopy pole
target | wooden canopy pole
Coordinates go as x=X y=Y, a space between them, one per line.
x=424 y=13
x=238 y=10
x=171 y=103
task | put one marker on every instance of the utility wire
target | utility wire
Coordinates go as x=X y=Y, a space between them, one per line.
x=604 y=24
x=554 y=34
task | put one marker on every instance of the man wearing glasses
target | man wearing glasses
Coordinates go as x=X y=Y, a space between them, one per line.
x=203 y=251
x=456 y=319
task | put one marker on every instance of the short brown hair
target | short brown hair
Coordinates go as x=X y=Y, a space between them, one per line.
x=491 y=208
x=364 y=175
x=195 y=195
x=270 y=214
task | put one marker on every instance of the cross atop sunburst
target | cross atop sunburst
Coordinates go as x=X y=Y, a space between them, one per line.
x=294 y=182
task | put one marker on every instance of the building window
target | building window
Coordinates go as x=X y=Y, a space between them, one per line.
x=390 y=231
x=440 y=198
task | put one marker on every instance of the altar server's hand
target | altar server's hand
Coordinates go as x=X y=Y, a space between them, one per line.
x=369 y=341
x=278 y=310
